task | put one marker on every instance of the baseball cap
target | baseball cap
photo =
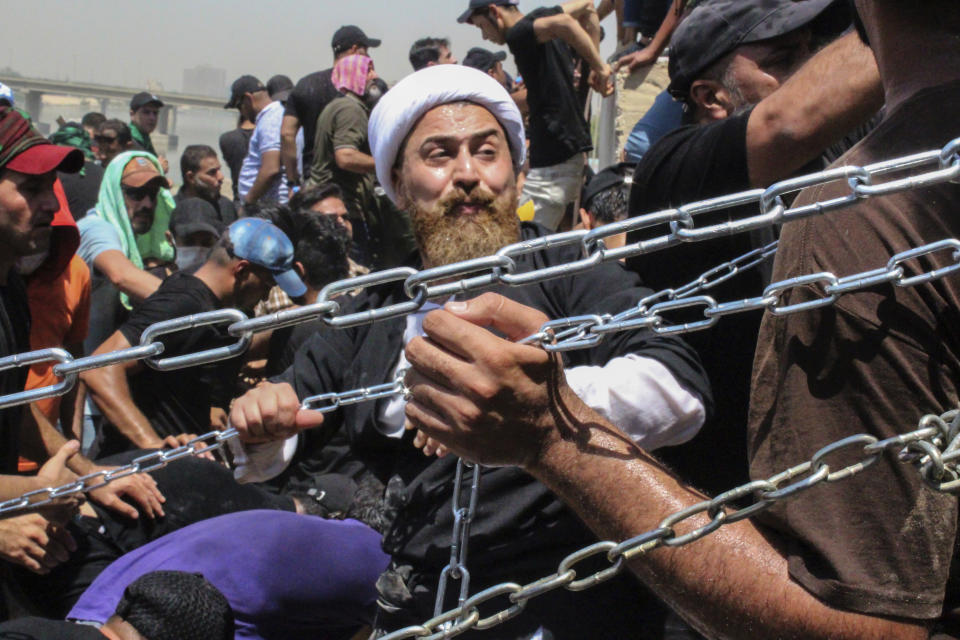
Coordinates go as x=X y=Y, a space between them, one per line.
x=279 y=87
x=717 y=27
x=192 y=215
x=264 y=244
x=144 y=98
x=483 y=59
x=349 y=35
x=6 y=94
x=479 y=4
x=141 y=171
x=608 y=178
x=240 y=87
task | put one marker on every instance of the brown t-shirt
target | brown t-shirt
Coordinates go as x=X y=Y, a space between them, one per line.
x=880 y=543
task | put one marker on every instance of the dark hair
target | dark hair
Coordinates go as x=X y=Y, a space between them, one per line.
x=192 y=156
x=93 y=120
x=176 y=605
x=273 y=212
x=322 y=247
x=610 y=205
x=306 y=198
x=117 y=126
x=427 y=50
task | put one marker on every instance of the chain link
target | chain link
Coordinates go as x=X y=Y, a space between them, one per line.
x=933 y=449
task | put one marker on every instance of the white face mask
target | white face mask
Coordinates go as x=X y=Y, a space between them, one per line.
x=191 y=258
x=28 y=264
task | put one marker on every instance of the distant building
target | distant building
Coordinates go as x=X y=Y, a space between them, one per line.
x=204 y=80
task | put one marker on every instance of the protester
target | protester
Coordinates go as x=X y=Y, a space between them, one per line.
x=160 y=605
x=91 y=121
x=144 y=114
x=143 y=405
x=310 y=97
x=327 y=200
x=427 y=52
x=234 y=145
x=448 y=142
x=270 y=575
x=261 y=173
x=71 y=134
x=196 y=227
x=81 y=188
x=203 y=178
x=28 y=205
x=489 y=62
x=122 y=237
x=559 y=135
x=113 y=138
x=809 y=569
x=6 y=96
x=727 y=57
x=605 y=200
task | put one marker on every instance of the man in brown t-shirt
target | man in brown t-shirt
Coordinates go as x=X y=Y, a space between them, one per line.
x=867 y=557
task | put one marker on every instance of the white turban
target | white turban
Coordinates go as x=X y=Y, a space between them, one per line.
x=403 y=105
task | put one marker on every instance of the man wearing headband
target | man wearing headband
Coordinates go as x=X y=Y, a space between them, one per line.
x=28 y=166
x=448 y=143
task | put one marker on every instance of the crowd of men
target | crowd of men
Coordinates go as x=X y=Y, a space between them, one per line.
x=340 y=524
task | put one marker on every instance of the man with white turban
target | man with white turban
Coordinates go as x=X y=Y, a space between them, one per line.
x=448 y=143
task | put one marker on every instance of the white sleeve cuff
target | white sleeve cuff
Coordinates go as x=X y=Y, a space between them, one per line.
x=261 y=462
x=641 y=397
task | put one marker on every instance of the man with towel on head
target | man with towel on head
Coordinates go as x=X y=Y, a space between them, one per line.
x=448 y=143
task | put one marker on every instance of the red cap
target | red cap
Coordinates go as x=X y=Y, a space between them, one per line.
x=44 y=158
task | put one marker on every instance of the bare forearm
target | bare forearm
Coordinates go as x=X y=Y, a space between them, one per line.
x=838 y=89
x=288 y=147
x=267 y=175
x=733 y=584
x=354 y=160
x=662 y=38
x=109 y=389
x=583 y=43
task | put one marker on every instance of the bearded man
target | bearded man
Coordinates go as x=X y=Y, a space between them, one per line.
x=448 y=142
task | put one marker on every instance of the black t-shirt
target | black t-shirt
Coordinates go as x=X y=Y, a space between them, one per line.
x=14 y=339
x=226 y=211
x=307 y=101
x=557 y=127
x=82 y=188
x=179 y=401
x=234 y=145
x=43 y=629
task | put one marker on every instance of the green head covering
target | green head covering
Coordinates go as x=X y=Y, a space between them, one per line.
x=73 y=135
x=111 y=207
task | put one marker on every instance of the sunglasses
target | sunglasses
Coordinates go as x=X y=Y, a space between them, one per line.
x=105 y=139
x=139 y=193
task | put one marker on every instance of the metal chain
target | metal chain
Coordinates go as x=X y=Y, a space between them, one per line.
x=421 y=285
x=933 y=448
x=459 y=542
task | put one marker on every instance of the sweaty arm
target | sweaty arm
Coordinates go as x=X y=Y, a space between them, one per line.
x=563 y=26
x=587 y=15
x=269 y=171
x=288 y=146
x=109 y=388
x=836 y=90
x=497 y=402
x=125 y=276
x=350 y=159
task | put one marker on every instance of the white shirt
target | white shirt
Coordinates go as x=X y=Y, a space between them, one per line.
x=636 y=393
x=266 y=137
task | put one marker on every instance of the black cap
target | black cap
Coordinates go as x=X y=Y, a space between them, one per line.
x=608 y=178
x=349 y=35
x=279 y=87
x=241 y=86
x=483 y=59
x=192 y=215
x=479 y=4
x=144 y=98
x=717 y=27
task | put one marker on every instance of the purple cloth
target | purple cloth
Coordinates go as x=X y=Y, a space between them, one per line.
x=285 y=575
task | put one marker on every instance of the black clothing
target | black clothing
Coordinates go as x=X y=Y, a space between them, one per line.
x=43 y=629
x=307 y=101
x=557 y=128
x=14 y=339
x=178 y=401
x=224 y=207
x=82 y=188
x=233 y=147
x=520 y=524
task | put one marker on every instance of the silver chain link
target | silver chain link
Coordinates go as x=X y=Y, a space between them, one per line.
x=933 y=448
x=456 y=569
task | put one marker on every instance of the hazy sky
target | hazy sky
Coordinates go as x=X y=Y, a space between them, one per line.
x=127 y=43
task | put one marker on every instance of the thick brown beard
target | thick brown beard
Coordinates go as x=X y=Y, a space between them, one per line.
x=445 y=237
